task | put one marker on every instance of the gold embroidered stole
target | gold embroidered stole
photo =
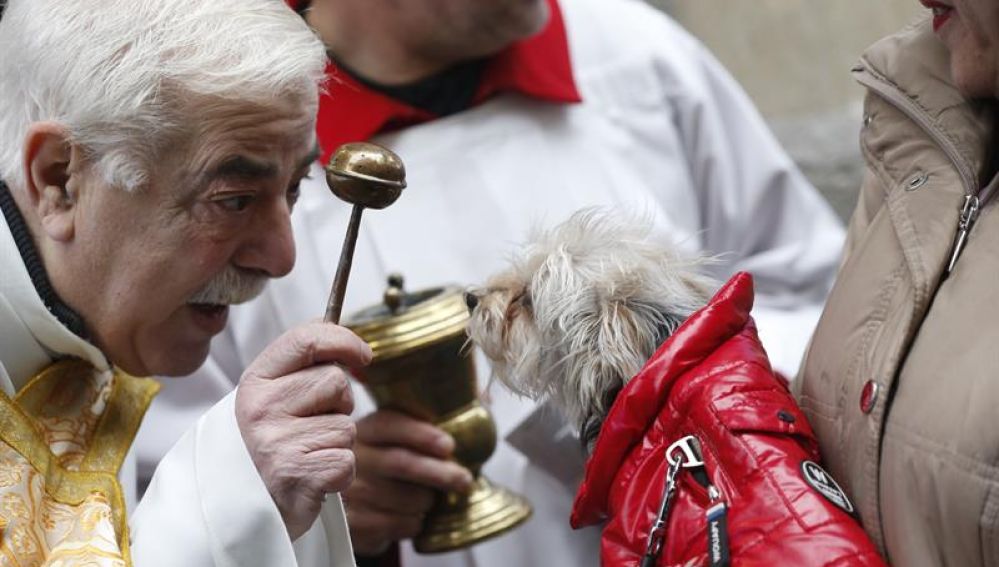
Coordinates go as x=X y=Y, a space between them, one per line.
x=62 y=440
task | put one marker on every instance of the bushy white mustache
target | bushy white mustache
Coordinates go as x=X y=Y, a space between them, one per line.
x=230 y=287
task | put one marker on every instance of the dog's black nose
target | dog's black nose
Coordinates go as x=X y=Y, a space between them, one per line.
x=471 y=300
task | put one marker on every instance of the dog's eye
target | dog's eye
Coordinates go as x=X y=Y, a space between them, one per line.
x=525 y=301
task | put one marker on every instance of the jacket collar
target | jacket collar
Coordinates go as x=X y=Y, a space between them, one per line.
x=921 y=133
x=538 y=67
x=917 y=64
x=644 y=397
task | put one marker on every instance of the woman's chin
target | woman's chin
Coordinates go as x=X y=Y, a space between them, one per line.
x=974 y=66
x=975 y=82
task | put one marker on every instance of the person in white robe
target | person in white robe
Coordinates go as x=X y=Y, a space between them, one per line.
x=578 y=103
x=150 y=155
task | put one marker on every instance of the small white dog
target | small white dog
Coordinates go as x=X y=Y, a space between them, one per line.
x=581 y=309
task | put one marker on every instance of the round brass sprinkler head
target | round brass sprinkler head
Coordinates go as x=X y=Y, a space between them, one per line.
x=366 y=174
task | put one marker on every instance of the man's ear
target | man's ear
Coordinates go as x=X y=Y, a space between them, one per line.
x=49 y=162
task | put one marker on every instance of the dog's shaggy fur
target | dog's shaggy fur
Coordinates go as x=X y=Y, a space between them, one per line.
x=581 y=309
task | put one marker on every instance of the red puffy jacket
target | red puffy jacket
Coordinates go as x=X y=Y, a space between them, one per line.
x=711 y=379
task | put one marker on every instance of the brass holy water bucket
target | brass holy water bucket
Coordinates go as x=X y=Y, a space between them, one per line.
x=422 y=368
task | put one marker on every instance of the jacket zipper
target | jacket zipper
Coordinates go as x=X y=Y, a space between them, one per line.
x=974 y=198
x=969 y=214
x=685 y=454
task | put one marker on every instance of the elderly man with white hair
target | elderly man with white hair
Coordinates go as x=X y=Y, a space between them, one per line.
x=150 y=155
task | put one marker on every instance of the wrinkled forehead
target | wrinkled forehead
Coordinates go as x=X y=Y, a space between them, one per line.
x=281 y=133
x=289 y=116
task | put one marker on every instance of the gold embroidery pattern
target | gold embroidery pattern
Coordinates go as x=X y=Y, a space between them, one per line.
x=62 y=440
x=67 y=411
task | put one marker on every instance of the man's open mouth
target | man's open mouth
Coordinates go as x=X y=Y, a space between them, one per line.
x=210 y=309
x=211 y=317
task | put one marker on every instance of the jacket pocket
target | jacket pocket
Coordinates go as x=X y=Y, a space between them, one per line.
x=763 y=411
x=768 y=441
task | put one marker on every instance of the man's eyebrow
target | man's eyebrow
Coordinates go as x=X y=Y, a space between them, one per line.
x=242 y=167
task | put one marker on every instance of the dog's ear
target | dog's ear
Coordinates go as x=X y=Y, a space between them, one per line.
x=603 y=346
x=609 y=345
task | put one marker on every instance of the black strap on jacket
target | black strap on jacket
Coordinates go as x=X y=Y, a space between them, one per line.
x=36 y=269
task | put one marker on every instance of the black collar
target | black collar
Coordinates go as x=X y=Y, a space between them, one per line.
x=36 y=270
x=445 y=93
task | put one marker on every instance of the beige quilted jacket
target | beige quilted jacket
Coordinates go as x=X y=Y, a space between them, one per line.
x=901 y=381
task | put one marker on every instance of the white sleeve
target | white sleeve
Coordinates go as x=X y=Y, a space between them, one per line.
x=207 y=506
x=756 y=208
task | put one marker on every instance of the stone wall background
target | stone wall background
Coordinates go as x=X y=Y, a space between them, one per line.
x=793 y=57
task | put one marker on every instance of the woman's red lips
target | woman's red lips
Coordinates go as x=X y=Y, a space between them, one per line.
x=939 y=19
x=941 y=12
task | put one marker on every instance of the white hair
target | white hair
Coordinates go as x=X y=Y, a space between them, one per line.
x=120 y=74
x=582 y=308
